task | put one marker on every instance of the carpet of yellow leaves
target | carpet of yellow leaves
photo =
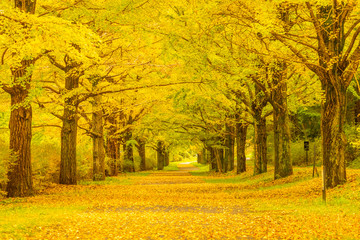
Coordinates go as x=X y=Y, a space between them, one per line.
x=178 y=205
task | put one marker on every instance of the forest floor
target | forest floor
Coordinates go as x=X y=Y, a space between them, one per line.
x=180 y=204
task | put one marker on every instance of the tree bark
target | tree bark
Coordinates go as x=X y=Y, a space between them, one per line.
x=282 y=138
x=68 y=135
x=19 y=173
x=219 y=158
x=160 y=155
x=142 y=153
x=260 y=163
x=167 y=157
x=232 y=148
x=128 y=153
x=333 y=136
x=241 y=130
x=112 y=151
x=98 y=141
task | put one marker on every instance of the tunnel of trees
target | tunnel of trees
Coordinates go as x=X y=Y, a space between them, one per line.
x=91 y=89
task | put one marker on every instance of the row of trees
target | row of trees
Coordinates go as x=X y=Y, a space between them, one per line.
x=94 y=66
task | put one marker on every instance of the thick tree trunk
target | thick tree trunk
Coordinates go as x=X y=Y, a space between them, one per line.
x=283 y=163
x=68 y=149
x=260 y=163
x=241 y=130
x=160 y=155
x=282 y=138
x=142 y=153
x=68 y=135
x=19 y=173
x=98 y=141
x=333 y=136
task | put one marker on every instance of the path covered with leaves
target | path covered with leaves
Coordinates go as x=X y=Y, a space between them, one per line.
x=179 y=205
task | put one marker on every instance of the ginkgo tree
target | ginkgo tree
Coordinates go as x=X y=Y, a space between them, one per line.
x=26 y=38
x=325 y=39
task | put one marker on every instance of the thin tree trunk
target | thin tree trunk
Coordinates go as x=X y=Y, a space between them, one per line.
x=260 y=163
x=219 y=157
x=213 y=164
x=205 y=156
x=167 y=157
x=98 y=141
x=160 y=155
x=128 y=153
x=113 y=147
x=232 y=148
x=199 y=157
x=241 y=130
x=26 y=5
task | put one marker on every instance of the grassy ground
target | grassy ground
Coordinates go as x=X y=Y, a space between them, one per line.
x=178 y=205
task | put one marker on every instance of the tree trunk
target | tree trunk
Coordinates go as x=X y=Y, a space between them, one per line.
x=199 y=157
x=142 y=153
x=112 y=151
x=112 y=145
x=357 y=112
x=260 y=163
x=19 y=173
x=205 y=156
x=333 y=137
x=282 y=138
x=128 y=153
x=213 y=164
x=219 y=158
x=283 y=168
x=232 y=148
x=68 y=135
x=160 y=155
x=167 y=157
x=26 y=5
x=98 y=141
x=241 y=130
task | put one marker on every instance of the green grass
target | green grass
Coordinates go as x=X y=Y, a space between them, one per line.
x=108 y=181
x=172 y=166
x=18 y=221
